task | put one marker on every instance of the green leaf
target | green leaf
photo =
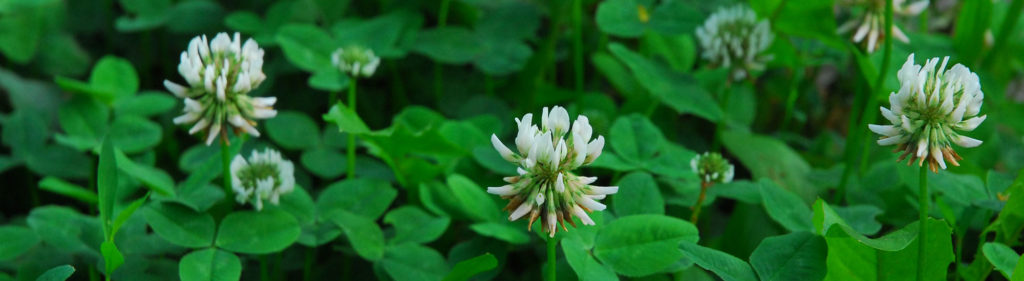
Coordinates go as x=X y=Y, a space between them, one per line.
x=388 y=35
x=325 y=163
x=306 y=46
x=17 y=241
x=364 y=197
x=210 y=264
x=330 y=80
x=794 y=256
x=115 y=78
x=803 y=19
x=180 y=225
x=638 y=194
x=106 y=184
x=583 y=262
x=468 y=268
x=620 y=18
x=133 y=134
x=728 y=267
x=681 y=92
x=84 y=120
x=785 y=207
x=364 y=234
x=412 y=262
x=768 y=157
x=68 y=189
x=346 y=119
x=154 y=179
x=501 y=231
x=861 y=218
x=450 y=45
x=126 y=214
x=501 y=55
x=413 y=225
x=147 y=103
x=112 y=257
x=1018 y=268
x=474 y=201
x=292 y=130
x=1002 y=257
x=641 y=245
x=59 y=273
x=635 y=139
x=250 y=232
x=62 y=228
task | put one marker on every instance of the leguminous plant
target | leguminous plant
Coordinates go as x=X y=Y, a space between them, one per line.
x=455 y=140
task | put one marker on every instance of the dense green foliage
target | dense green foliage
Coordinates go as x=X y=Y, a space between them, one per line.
x=98 y=182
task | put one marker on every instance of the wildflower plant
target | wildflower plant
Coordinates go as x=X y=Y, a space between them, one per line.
x=355 y=60
x=546 y=187
x=712 y=169
x=734 y=38
x=220 y=74
x=264 y=176
x=931 y=110
x=869 y=28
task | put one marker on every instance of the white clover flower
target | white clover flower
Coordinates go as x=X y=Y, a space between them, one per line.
x=266 y=176
x=356 y=61
x=220 y=74
x=733 y=37
x=546 y=188
x=871 y=24
x=931 y=109
x=712 y=168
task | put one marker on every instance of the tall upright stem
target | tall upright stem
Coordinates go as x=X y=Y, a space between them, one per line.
x=922 y=202
x=351 y=153
x=577 y=43
x=700 y=201
x=225 y=157
x=442 y=20
x=552 y=258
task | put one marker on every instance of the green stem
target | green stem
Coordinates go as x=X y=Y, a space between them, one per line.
x=264 y=269
x=442 y=20
x=700 y=201
x=577 y=43
x=307 y=269
x=351 y=137
x=870 y=112
x=791 y=99
x=552 y=245
x=225 y=157
x=922 y=202
x=716 y=141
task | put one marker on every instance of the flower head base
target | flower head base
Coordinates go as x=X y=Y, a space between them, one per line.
x=711 y=167
x=871 y=25
x=733 y=37
x=356 y=61
x=546 y=188
x=266 y=176
x=931 y=109
x=220 y=74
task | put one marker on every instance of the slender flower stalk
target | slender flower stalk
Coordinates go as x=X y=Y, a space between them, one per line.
x=734 y=38
x=711 y=168
x=357 y=62
x=546 y=188
x=264 y=176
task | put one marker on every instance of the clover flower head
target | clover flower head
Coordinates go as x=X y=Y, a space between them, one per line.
x=734 y=37
x=930 y=111
x=265 y=176
x=356 y=61
x=220 y=74
x=871 y=25
x=546 y=187
x=711 y=167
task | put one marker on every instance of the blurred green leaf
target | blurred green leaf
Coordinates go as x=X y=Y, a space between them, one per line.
x=133 y=134
x=414 y=225
x=180 y=225
x=251 y=232
x=638 y=194
x=346 y=119
x=451 y=45
x=112 y=257
x=635 y=139
x=474 y=201
x=642 y=244
x=363 y=233
x=306 y=46
x=17 y=241
x=768 y=157
x=1002 y=257
x=59 y=273
x=106 y=185
x=412 y=262
x=468 y=268
x=325 y=163
x=147 y=103
x=728 y=267
x=68 y=189
x=154 y=179
x=681 y=92
x=501 y=231
x=210 y=264
x=364 y=197
x=785 y=207
x=583 y=262
x=794 y=256
x=292 y=130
